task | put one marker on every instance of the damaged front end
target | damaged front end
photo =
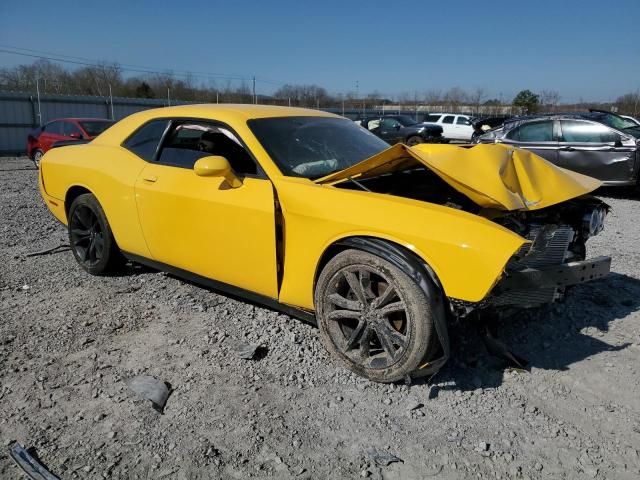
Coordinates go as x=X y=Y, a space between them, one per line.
x=548 y=206
x=555 y=259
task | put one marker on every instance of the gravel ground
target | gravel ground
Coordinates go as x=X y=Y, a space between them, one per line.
x=68 y=341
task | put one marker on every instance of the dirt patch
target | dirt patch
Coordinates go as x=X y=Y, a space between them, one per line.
x=69 y=341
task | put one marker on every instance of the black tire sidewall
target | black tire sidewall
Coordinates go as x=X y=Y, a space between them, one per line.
x=421 y=140
x=33 y=157
x=110 y=250
x=423 y=336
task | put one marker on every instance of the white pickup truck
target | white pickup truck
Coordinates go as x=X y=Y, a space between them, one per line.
x=454 y=126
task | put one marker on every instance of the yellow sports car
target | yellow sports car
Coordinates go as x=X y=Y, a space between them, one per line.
x=306 y=212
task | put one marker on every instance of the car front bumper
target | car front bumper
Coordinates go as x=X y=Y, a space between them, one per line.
x=532 y=287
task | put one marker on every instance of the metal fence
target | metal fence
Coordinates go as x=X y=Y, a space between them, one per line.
x=22 y=112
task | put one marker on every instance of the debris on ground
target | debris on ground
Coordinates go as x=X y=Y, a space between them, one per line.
x=150 y=388
x=29 y=463
x=381 y=457
x=49 y=251
x=247 y=351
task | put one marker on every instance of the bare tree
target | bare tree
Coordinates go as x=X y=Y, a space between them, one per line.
x=455 y=98
x=476 y=97
x=432 y=97
x=629 y=103
x=549 y=99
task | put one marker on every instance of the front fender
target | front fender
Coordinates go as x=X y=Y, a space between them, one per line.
x=467 y=252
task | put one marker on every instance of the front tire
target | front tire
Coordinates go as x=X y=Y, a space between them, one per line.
x=90 y=236
x=373 y=317
x=414 y=140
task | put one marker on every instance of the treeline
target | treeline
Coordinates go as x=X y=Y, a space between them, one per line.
x=105 y=79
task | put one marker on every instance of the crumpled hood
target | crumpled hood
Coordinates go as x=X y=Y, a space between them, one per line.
x=492 y=175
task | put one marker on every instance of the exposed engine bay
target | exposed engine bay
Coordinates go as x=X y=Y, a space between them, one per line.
x=557 y=236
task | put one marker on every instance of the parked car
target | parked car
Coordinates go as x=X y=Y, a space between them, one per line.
x=454 y=126
x=40 y=140
x=599 y=144
x=308 y=213
x=401 y=129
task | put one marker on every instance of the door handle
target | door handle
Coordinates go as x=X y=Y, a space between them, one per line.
x=567 y=149
x=150 y=178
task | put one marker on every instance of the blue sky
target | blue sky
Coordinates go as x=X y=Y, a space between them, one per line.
x=581 y=48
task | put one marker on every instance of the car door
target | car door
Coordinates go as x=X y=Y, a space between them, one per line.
x=390 y=130
x=201 y=224
x=462 y=128
x=596 y=150
x=537 y=137
x=52 y=132
x=448 y=128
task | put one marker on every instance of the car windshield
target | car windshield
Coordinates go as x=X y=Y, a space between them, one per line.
x=405 y=120
x=614 y=121
x=95 y=127
x=312 y=147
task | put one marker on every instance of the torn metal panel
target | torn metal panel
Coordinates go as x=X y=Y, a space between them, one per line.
x=493 y=176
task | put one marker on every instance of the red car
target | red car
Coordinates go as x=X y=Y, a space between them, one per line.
x=63 y=129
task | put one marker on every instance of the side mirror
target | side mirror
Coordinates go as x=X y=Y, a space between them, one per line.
x=77 y=136
x=216 y=166
x=397 y=127
x=618 y=142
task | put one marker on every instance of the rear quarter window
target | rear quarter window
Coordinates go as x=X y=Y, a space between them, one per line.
x=144 y=141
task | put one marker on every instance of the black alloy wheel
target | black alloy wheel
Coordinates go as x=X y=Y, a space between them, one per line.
x=90 y=236
x=373 y=316
x=86 y=236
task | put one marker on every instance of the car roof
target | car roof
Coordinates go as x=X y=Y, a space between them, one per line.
x=232 y=114
x=246 y=111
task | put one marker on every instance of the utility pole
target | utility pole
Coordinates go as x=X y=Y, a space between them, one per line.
x=168 y=98
x=255 y=99
x=111 y=102
x=39 y=110
x=217 y=97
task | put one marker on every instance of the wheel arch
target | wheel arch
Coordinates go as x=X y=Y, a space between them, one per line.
x=403 y=258
x=72 y=193
x=415 y=267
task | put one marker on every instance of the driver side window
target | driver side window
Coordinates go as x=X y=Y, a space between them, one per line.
x=187 y=142
x=389 y=123
x=533 y=132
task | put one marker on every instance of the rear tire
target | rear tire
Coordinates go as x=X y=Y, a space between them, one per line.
x=373 y=318
x=37 y=157
x=90 y=236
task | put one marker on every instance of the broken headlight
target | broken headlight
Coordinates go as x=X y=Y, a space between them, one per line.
x=593 y=221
